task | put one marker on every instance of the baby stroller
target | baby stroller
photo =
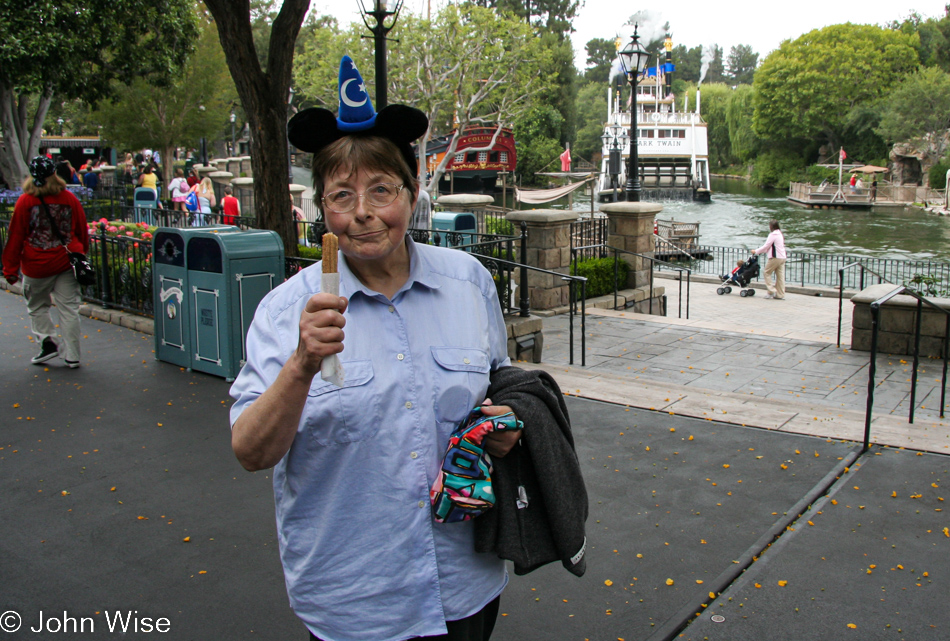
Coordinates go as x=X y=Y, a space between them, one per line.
x=741 y=276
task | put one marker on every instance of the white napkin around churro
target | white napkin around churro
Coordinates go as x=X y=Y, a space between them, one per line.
x=331 y=369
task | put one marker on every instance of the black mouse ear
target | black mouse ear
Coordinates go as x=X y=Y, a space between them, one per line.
x=312 y=129
x=401 y=123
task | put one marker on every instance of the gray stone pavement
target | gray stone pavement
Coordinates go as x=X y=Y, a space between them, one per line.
x=751 y=361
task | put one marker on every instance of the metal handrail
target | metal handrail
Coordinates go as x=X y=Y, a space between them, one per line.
x=674 y=246
x=880 y=280
x=654 y=261
x=875 y=326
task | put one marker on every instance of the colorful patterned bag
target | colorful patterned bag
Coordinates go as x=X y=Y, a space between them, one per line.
x=463 y=488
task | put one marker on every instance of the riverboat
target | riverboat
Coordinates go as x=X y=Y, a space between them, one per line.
x=672 y=149
x=476 y=163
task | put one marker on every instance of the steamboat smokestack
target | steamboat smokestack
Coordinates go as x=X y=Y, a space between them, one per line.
x=668 y=72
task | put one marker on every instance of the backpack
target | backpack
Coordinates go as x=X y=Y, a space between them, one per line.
x=191 y=201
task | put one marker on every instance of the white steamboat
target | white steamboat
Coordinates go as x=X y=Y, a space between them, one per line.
x=672 y=145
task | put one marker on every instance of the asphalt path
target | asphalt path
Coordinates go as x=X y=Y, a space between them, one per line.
x=121 y=494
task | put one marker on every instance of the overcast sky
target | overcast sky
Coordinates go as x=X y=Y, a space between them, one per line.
x=763 y=25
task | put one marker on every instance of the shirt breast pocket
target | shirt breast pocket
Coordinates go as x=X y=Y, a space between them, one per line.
x=335 y=415
x=460 y=383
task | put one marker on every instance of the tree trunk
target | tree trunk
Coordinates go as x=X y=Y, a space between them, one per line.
x=264 y=96
x=20 y=143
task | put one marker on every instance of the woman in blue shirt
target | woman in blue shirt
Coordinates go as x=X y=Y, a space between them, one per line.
x=418 y=330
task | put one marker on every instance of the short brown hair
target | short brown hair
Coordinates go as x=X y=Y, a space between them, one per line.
x=53 y=185
x=361 y=152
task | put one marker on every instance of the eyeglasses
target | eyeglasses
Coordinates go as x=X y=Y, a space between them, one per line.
x=379 y=195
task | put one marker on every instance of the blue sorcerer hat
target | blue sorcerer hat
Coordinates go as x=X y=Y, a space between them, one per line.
x=313 y=129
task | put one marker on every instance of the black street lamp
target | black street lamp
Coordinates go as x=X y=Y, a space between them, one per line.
x=381 y=11
x=60 y=122
x=633 y=58
x=233 y=143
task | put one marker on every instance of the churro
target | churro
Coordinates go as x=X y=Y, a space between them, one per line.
x=330 y=246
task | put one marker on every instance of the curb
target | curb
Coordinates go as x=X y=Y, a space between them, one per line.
x=99 y=313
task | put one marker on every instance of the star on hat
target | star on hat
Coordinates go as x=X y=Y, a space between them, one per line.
x=313 y=129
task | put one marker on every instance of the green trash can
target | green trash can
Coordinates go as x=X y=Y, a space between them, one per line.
x=224 y=274
x=170 y=287
x=452 y=223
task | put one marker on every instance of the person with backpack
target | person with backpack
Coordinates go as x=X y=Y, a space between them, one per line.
x=48 y=224
x=178 y=188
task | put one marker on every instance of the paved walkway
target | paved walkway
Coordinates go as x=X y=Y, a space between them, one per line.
x=127 y=497
x=750 y=361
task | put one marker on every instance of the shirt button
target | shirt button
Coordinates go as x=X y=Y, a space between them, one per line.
x=413 y=454
x=400 y=356
x=391 y=309
x=408 y=405
x=422 y=503
x=466 y=361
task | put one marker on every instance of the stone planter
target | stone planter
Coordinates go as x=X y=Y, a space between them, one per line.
x=897 y=323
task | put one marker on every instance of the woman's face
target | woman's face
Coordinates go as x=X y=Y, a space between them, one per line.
x=369 y=233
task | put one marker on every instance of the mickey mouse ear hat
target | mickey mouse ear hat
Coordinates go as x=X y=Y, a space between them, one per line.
x=313 y=129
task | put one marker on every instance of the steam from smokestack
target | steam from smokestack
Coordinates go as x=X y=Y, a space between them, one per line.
x=708 y=55
x=650 y=26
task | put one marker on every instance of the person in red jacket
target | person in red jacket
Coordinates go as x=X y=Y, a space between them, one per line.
x=36 y=250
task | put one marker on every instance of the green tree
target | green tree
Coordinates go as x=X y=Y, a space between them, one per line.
x=715 y=102
x=601 y=53
x=264 y=94
x=591 y=116
x=537 y=133
x=712 y=69
x=195 y=104
x=917 y=110
x=75 y=50
x=933 y=45
x=741 y=64
x=688 y=62
x=805 y=89
x=739 y=110
x=469 y=66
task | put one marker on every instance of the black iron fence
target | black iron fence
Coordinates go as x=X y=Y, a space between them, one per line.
x=589 y=238
x=872 y=363
x=806 y=268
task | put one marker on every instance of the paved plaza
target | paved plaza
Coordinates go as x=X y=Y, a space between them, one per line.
x=122 y=493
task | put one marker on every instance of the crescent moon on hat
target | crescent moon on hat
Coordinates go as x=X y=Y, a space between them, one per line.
x=345 y=99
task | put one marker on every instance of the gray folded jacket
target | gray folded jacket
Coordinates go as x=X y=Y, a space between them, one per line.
x=541 y=500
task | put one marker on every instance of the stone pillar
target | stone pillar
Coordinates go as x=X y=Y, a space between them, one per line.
x=463 y=202
x=630 y=227
x=549 y=247
x=296 y=192
x=220 y=180
x=244 y=191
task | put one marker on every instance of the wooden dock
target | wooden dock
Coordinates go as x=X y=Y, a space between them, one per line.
x=829 y=196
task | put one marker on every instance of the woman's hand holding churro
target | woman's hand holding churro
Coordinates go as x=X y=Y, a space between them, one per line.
x=321 y=331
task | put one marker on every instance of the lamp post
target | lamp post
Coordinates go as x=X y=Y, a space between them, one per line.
x=381 y=11
x=60 y=122
x=633 y=58
x=233 y=143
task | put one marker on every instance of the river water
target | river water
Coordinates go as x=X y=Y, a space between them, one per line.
x=739 y=215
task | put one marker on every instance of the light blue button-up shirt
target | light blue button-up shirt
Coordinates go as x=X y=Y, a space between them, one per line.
x=363 y=558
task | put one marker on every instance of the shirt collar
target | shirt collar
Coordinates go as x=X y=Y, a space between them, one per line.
x=420 y=272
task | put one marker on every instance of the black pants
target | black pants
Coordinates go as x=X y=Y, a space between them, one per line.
x=477 y=627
